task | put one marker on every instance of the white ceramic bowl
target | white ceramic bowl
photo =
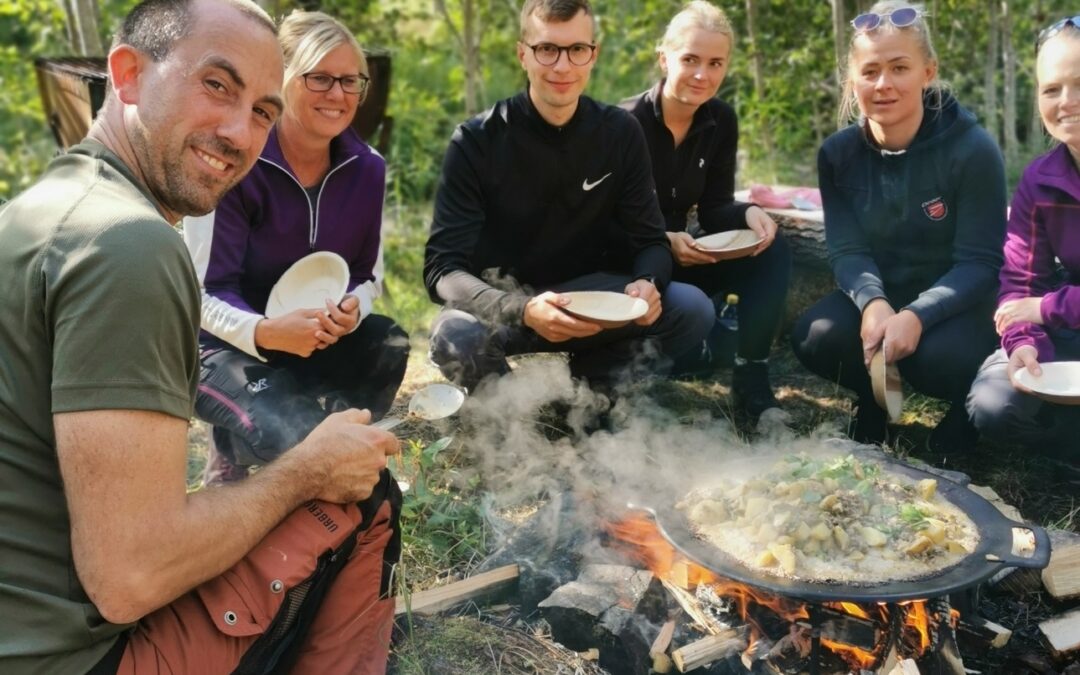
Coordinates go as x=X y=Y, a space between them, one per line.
x=605 y=308
x=729 y=245
x=309 y=283
x=1059 y=382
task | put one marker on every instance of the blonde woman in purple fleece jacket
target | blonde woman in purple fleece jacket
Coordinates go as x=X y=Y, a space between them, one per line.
x=265 y=383
x=1038 y=315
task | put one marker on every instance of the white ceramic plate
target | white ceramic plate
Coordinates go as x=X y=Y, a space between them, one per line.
x=607 y=308
x=308 y=283
x=1059 y=382
x=729 y=245
x=888 y=389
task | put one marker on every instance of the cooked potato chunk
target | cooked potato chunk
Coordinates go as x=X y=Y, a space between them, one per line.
x=821 y=532
x=785 y=555
x=872 y=537
x=841 y=537
x=921 y=544
x=709 y=511
x=927 y=487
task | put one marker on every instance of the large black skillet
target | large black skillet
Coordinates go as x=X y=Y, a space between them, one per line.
x=993 y=553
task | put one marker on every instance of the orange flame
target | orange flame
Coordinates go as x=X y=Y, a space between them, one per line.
x=640 y=538
x=853 y=656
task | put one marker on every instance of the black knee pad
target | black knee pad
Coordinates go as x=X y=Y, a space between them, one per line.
x=263 y=407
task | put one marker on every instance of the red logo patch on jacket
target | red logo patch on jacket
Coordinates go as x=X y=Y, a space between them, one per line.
x=935 y=209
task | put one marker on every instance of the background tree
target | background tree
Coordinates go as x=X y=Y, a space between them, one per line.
x=452 y=58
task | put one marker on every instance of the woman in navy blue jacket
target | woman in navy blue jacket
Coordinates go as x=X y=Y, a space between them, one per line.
x=316 y=187
x=914 y=199
x=693 y=138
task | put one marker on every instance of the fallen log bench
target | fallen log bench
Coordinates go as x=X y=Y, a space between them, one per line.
x=803 y=230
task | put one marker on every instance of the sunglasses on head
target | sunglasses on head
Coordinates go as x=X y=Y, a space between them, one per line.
x=1055 y=28
x=901 y=18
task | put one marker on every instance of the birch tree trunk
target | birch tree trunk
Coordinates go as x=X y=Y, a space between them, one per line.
x=82 y=27
x=468 y=39
x=758 y=69
x=839 y=46
x=1008 y=57
x=990 y=99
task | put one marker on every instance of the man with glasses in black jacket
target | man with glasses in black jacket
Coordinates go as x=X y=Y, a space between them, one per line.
x=549 y=192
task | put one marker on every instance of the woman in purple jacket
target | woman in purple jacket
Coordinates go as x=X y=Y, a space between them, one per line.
x=317 y=187
x=1038 y=313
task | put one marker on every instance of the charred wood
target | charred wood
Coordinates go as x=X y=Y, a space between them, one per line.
x=976 y=633
x=611 y=607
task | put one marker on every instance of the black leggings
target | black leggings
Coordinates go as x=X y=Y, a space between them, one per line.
x=260 y=410
x=761 y=282
x=826 y=340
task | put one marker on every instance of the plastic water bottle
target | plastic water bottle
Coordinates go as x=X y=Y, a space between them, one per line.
x=724 y=336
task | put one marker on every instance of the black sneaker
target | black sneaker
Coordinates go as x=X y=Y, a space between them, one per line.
x=869 y=424
x=750 y=388
x=954 y=433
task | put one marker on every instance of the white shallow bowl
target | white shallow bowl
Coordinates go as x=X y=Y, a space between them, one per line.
x=309 y=283
x=605 y=308
x=888 y=389
x=728 y=245
x=1059 y=382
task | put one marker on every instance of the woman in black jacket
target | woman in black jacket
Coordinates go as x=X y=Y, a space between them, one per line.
x=693 y=137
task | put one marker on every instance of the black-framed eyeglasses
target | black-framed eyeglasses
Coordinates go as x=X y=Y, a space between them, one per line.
x=1055 y=28
x=901 y=18
x=350 y=84
x=547 y=54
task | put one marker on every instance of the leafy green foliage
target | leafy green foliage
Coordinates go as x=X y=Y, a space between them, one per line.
x=441 y=522
x=796 y=112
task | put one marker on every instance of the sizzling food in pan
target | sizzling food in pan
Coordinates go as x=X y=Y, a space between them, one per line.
x=837 y=519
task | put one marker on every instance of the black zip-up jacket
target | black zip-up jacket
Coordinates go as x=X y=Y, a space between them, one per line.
x=926 y=224
x=701 y=171
x=523 y=205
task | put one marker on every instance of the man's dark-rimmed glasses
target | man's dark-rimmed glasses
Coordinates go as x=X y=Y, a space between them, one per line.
x=547 y=54
x=350 y=84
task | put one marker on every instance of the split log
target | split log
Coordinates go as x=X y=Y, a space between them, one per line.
x=988 y=493
x=690 y=605
x=712 y=648
x=1063 y=632
x=446 y=597
x=1062 y=576
x=848 y=630
x=905 y=667
x=978 y=633
x=609 y=607
x=663 y=638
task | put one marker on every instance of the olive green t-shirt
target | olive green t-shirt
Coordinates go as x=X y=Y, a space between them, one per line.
x=99 y=309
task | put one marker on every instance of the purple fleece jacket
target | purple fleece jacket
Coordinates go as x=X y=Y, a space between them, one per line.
x=1044 y=224
x=268 y=222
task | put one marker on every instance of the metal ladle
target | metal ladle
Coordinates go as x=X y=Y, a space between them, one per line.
x=433 y=402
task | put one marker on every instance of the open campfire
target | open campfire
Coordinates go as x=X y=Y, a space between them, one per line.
x=751 y=630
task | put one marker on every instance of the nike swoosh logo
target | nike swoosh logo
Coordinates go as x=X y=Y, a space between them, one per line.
x=586 y=185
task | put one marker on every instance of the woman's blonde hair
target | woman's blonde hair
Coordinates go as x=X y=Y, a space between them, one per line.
x=307 y=37
x=697 y=14
x=919 y=30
